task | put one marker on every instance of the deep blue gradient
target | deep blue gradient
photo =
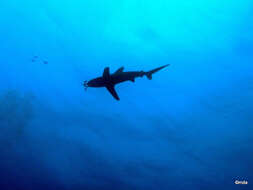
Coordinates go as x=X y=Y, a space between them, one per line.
x=190 y=127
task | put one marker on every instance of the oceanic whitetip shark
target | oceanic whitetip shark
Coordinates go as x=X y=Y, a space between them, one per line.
x=110 y=80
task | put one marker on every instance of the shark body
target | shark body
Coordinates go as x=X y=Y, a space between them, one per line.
x=109 y=81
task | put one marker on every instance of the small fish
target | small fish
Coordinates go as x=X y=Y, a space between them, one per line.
x=45 y=62
x=34 y=58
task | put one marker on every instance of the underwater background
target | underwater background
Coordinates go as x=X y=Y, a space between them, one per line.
x=190 y=127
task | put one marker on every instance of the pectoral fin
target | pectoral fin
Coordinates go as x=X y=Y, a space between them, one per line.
x=106 y=74
x=111 y=89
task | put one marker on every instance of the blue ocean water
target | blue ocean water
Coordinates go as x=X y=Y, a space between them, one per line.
x=190 y=127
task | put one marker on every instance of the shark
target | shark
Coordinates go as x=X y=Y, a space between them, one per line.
x=109 y=80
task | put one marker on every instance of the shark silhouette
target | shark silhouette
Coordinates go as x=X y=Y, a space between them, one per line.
x=110 y=80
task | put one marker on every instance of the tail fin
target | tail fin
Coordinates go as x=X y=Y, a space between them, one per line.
x=149 y=73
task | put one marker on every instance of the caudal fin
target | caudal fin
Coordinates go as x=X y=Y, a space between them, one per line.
x=150 y=73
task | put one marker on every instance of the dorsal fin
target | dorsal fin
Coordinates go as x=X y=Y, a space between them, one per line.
x=120 y=70
x=106 y=74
